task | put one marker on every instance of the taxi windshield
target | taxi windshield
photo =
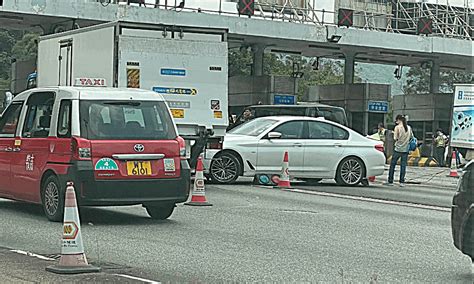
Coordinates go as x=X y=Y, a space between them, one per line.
x=125 y=120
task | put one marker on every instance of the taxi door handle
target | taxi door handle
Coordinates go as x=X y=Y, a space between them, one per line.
x=297 y=145
x=337 y=145
x=8 y=149
x=16 y=149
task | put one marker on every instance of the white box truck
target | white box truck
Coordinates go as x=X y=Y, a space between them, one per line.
x=462 y=127
x=187 y=65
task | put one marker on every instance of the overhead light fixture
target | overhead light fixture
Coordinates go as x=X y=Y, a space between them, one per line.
x=398 y=72
x=335 y=38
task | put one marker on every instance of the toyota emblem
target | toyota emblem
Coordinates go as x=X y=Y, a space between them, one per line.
x=139 y=148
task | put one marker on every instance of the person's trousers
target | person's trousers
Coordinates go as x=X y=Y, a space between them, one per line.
x=439 y=155
x=403 y=166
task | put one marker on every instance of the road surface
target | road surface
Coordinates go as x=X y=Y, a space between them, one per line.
x=261 y=234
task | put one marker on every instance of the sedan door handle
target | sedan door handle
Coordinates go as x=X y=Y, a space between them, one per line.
x=297 y=145
x=337 y=145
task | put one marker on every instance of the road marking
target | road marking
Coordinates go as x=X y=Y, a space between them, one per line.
x=27 y=253
x=369 y=199
x=138 y=279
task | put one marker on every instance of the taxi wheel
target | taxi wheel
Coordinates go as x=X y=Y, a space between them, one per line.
x=52 y=197
x=160 y=212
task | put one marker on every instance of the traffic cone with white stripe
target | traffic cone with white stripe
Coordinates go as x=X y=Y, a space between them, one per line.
x=73 y=259
x=453 y=172
x=284 y=181
x=198 y=195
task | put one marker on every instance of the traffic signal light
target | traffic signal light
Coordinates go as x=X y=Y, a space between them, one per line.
x=345 y=17
x=246 y=7
x=425 y=26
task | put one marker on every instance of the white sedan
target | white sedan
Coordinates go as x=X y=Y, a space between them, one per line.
x=318 y=149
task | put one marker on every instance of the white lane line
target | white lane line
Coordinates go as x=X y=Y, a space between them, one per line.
x=138 y=279
x=27 y=253
x=369 y=199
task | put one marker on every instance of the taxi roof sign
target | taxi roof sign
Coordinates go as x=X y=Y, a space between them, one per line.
x=90 y=82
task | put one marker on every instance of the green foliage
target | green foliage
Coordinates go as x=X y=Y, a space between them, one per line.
x=15 y=45
x=329 y=71
x=418 y=80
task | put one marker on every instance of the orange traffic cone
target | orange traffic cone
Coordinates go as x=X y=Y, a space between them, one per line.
x=371 y=179
x=73 y=259
x=284 y=181
x=198 y=195
x=453 y=172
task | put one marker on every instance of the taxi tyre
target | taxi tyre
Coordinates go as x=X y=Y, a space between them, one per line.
x=217 y=162
x=160 y=212
x=358 y=168
x=52 y=199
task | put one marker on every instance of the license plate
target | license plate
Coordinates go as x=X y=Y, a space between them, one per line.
x=139 y=168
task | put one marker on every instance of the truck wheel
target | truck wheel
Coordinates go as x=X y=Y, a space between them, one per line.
x=160 y=212
x=351 y=172
x=225 y=168
x=52 y=199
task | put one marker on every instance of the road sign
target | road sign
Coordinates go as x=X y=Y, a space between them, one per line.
x=425 y=26
x=284 y=100
x=70 y=230
x=345 y=17
x=246 y=7
x=378 y=106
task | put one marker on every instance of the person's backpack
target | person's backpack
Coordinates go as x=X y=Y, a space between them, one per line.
x=413 y=142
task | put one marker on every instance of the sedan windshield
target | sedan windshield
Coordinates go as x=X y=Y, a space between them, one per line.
x=254 y=127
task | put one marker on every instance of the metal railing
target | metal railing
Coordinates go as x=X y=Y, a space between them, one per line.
x=448 y=21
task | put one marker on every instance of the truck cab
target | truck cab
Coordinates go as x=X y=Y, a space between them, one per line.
x=118 y=147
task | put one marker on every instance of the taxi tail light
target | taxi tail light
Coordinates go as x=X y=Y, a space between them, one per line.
x=81 y=149
x=379 y=148
x=182 y=147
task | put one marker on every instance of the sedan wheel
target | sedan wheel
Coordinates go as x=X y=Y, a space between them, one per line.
x=225 y=168
x=350 y=172
x=52 y=197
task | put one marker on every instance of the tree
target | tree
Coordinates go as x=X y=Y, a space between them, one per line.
x=26 y=48
x=418 y=80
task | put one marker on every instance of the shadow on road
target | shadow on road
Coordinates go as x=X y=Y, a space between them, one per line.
x=94 y=215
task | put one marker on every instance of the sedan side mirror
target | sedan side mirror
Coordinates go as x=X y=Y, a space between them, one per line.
x=274 y=135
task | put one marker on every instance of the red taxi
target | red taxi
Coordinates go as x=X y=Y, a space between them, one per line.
x=118 y=146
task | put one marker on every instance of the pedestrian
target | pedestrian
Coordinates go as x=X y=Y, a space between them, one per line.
x=381 y=132
x=8 y=98
x=401 y=135
x=440 y=144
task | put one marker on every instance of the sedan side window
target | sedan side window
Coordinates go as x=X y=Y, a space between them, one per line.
x=321 y=130
x=9 y=120
x=291 y=130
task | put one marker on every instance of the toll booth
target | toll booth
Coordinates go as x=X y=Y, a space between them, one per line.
x=426 y=113
x=267 y=89
x=366 y=105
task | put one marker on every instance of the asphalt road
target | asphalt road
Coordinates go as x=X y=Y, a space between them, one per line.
x=259 y=234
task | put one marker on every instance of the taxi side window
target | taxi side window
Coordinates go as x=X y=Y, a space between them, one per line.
x=38 y=116
x=9 y=120
x=64 y=120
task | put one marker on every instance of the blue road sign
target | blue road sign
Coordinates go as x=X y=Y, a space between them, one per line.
x=284 y=100
x=173 y=72
x=378 y=106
